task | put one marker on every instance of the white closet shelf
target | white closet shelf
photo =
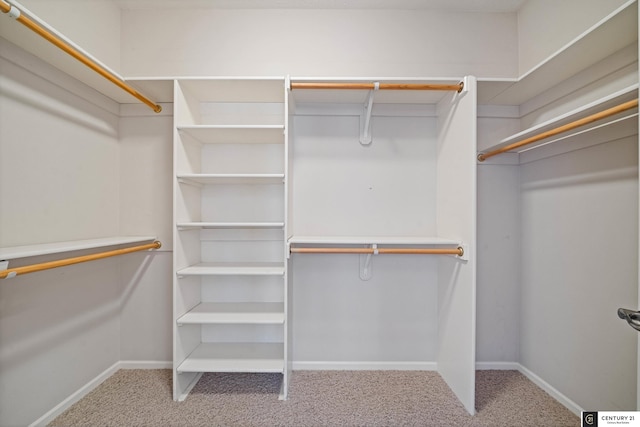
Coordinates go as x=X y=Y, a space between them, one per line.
x=15 y=252
x=235 y=357
x=371 y=240
x=234 y=269
x=235 y=134
x=611 y=34
x=219 y=224
x=232 y=178
x=235 y=313
x=627 y=94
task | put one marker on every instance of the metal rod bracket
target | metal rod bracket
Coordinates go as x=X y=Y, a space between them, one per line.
x=365 y=130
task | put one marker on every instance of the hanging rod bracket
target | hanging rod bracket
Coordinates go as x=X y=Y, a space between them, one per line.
x=365 y=129
x=4 y=265
x=464 y=252
x=14 y=12
x=366 y=263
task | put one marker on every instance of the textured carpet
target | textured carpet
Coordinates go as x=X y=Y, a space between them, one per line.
x=327 y=398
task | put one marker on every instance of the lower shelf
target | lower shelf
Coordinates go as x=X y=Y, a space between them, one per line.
x=235 y=357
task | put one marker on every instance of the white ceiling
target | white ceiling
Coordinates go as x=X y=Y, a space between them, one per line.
x=449 y=5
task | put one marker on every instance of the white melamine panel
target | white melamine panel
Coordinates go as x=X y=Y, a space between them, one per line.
x=341 y=187
x=456 y=218
x=234 y=269
x=579 y=265
x=243 y=203
x=242 y=288
x=234 y=313
x=232 y=178
x=235 y=357
x=247 y=157
x=251 y=133
x=232 y=225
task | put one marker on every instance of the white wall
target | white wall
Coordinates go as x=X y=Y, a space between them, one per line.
x=545 y=26
x=579 y=264
x=318 y=42
x=93 y=25
x=146 y=164
x=343 y=188
x=72 y=169
x=498 y=280
x=58 y=181
x=58 y=161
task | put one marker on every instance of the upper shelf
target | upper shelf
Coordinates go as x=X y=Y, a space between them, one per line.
x=619 y=120
x=613 y=33
x=15 y=252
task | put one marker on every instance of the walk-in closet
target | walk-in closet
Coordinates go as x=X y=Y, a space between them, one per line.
x=250 y=193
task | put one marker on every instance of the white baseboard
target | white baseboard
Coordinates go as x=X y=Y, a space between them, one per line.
x=145 y=364
x=497 y=366
x=548 y=388
x=564 y=400
x=79 y=394
x=87 y=388
x=364 y=366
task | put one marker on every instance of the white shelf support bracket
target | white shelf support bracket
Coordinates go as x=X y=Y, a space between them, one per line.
x=366 y=264
x=4 y=265
x=465 y=86
x=365 y=131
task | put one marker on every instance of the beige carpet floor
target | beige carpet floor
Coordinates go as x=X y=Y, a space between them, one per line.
x=317 y=398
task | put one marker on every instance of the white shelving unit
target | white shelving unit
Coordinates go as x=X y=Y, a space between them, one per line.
x=230 y=281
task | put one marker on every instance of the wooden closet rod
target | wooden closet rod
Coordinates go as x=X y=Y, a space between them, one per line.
x=569 y=126
x=405 y=251
x=381 y=86
x=12 y=272
x=15 y=13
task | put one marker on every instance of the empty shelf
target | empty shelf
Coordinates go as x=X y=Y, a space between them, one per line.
x=235 y=313
x=234 y=269
x=248 y=178
x=192 y=225
x=235 y=357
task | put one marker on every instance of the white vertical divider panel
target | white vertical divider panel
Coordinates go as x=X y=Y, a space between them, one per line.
x=638 y=337
x=456 y=218
x=185 y=291
x=287 y=276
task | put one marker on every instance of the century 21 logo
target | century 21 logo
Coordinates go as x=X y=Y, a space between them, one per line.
x=590 y=419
